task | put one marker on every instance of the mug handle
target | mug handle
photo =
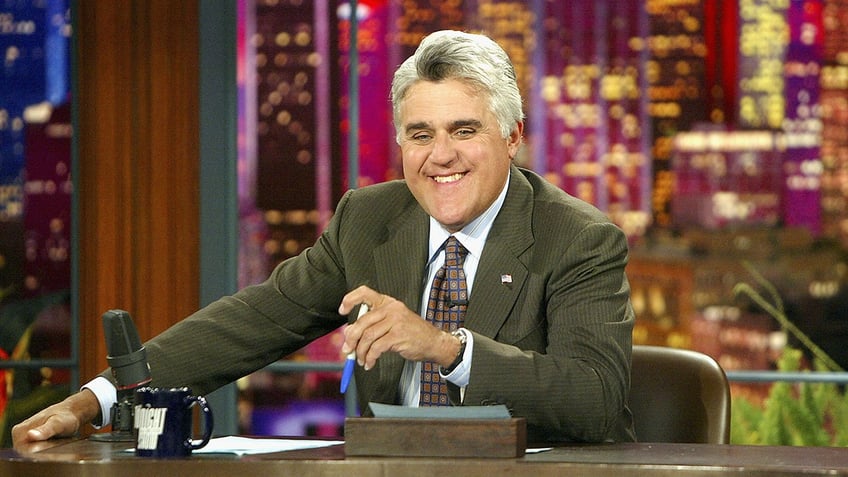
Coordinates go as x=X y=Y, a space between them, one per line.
x=208 y=420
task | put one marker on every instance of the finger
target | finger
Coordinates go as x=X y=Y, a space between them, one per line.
x=351 y=336
x=58 y=425
x=353 y=298
x=375 y=340
x=38 y=434
x=52 y=427
x=354 y=331
x=25 y=432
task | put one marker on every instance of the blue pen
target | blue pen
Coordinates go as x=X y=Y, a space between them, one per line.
x=351 y=357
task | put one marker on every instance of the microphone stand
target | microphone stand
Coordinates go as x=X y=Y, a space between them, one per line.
x=121 y=414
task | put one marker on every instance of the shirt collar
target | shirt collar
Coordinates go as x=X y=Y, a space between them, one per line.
x=472 y=236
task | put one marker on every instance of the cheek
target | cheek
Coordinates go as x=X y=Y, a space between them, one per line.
x=412 y=159
x=484 y=151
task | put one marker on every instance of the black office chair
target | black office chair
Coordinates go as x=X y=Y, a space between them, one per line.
x=678 y=395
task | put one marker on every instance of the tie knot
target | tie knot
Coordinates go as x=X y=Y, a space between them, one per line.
x=454 y=252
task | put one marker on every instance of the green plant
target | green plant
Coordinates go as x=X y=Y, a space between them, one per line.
x=798 y=414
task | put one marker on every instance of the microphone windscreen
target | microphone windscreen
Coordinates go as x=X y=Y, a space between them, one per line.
x=126 y=356
x=121 y=334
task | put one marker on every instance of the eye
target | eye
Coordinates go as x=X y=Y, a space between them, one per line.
x=421 y=136
x=464 y=132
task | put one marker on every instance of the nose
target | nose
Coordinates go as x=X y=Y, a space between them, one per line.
x=443 y=151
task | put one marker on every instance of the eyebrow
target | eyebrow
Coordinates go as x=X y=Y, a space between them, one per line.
x=459 y=123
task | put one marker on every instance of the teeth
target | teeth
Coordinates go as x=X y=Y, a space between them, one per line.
x=446 y=179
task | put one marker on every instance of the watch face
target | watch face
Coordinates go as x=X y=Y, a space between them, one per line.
x=463 y=339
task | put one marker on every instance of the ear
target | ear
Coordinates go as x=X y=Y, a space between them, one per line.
x=513 y=142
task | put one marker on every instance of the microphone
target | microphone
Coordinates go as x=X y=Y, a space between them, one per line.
x=128 y=360
x=126 y=355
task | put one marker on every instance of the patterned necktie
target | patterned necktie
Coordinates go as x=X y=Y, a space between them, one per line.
x=446 y=307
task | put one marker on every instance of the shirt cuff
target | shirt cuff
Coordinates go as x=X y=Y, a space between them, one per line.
x=461 y=374
x=106 y=395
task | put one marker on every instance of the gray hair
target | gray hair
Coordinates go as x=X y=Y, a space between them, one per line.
x=473 y=59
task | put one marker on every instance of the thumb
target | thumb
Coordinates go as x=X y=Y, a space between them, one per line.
x=42 y=432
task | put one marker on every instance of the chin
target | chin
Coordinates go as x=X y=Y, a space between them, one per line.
x=452 y=225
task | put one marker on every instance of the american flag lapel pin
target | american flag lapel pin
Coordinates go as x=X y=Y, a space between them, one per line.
x=506 y=278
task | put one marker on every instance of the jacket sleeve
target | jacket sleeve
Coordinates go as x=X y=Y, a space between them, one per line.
x=259 y=324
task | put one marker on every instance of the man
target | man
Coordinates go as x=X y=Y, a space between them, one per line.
x=546 y=323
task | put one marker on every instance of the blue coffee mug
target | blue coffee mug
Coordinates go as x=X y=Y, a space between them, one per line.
x=163 y=422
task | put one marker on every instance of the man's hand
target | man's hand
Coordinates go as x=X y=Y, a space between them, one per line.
x=59 y=420
x=390 y=326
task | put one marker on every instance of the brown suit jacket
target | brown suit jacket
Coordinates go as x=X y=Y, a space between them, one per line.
x=553 y=345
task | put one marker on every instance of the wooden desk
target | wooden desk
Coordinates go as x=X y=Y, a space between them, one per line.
x=68 y=458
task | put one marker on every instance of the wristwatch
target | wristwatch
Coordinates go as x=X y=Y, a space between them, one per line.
x=463 y=339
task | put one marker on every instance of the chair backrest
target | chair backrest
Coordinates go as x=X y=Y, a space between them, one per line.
x=678 y=395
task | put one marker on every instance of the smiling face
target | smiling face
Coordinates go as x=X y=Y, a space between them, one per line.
x=455 y=160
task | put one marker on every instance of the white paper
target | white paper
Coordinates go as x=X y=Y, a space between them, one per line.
x=245 y=445
x=440 y=412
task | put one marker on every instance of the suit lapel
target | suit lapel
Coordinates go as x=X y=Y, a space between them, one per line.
x=501 y=273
